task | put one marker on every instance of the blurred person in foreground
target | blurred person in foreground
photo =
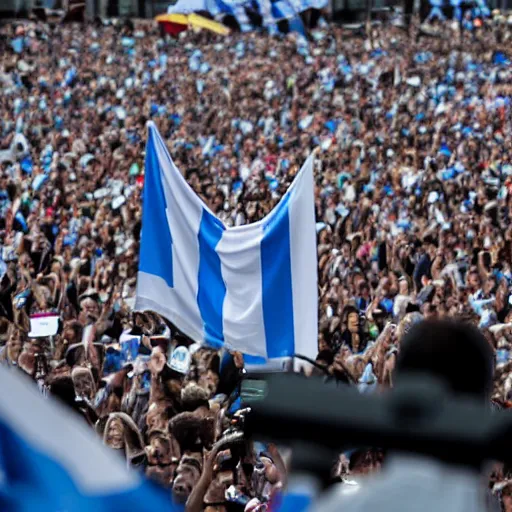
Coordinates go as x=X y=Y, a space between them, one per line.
x=422 y=483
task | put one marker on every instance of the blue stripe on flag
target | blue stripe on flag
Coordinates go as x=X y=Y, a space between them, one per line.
x=296 y=25
x=283 y=9
x=211 y=287
x=254 y=359
x=277 y=283
x=318 y=4
x=156 y=239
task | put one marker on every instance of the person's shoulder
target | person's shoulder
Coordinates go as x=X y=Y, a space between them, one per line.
x=350 y=496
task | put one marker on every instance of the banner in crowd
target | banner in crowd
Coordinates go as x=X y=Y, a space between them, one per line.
x=251 y=288
x=51 y=460
x=271 y=11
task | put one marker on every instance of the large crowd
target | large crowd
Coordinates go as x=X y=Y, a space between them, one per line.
x=413 y=201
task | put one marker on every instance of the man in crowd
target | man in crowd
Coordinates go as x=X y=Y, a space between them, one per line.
x=431 y=349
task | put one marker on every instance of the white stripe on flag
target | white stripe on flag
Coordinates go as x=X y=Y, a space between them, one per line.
x=303 y=256
x=178 y=304
x=243 y=313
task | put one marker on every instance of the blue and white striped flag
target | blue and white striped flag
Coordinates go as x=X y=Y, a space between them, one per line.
x=283 y=9
x=235 y=8
x=51 y=461
x=250 y=288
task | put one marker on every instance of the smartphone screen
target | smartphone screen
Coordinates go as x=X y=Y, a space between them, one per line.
x=252 y=390
x=146 y=380
x=502 y=356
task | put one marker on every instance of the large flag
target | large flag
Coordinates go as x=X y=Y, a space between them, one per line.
x=52 y=461
x=250 y=288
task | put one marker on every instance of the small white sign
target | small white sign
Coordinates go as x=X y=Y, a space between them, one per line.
x=180 y=360
x=42 y=326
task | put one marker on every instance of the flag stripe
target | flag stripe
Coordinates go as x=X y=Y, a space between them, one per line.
x=156 y=235
x=243 y=310
x=296 y=25
x=303 y=257
x=277 y=282
x=153 y=294
x=212 y=289
x=283 y=10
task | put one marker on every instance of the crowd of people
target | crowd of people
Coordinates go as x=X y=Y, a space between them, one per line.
x=413 y=202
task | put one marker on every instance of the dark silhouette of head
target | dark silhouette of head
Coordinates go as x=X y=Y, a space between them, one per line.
x=457 y=353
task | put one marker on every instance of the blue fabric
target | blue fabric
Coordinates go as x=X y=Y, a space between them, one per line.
x=362 y=304
x=17 y=44
x=39 y=181
x=331 y=125
x=387 y=305
x=254 y=360
x=32 y=481
x=232 y=8
x=295 y=25
x=500 y=59
x=212 y=289
x=130 y=348
x=27 y=165
x=21 y=219
x=70 y=75
x=156 y=236
x=210 y=258
x=293 y=503
x=277 y=283
x=283 y=10
x=448 y=174
x=235 y=406
x=445 y=150
x=113 y=361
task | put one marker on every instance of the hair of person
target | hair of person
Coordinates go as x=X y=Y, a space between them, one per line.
x=455 y=352
x=63 y=389
x=193 y=396
x=325 y=356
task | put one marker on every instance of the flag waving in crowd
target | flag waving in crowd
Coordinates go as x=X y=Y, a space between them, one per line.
x=50 y=460
x=250 y=288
